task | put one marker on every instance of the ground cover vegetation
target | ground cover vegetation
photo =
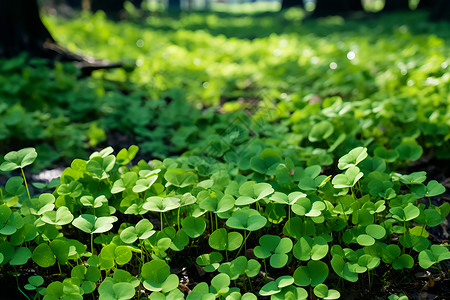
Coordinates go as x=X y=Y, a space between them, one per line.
x=274 y=159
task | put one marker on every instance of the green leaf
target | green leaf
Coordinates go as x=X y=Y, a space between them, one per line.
x=123 y=255
x=194 y=227
x=341 y=268
x=92 y=224
x=89 y=201
x=14 y=186
x=252 y=192
x=109 y=289
x=434 y=188
x=43 y=256
x=403 y=261
x=348 y=179
x=99 y=166
x=322 y=291
x=36 y=280
x=18 y=159
x=60 y=249
x=129 y=235
x=321 y=131
x=242 y=220
x=210 y=261
x=352 y=158
x=200 y=291
x=409 y=150
x=159 y=204
x=180 y=178
x=269 y=288
x=20 y=257
x=218 y=205
x=306 y=248
x=144 y=184
x=221 y=240
x=414 y=178
x=157 y=277
x=376 y=231
x=126 y=156
x=365 y=240
x=62 y=216
x=314 y=273
x=220 y=284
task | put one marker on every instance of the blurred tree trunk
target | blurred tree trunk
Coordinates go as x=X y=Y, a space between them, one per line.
x=440 y=11
x=174 y=5
x=426 y=4
x=21 y=30
x=285 y=4
x=396 y=5
x=336 y=7
x=356 y=5
x=112 y=8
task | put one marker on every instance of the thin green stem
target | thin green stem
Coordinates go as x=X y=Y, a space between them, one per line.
x=92 y=244
x=18 y=286
x=250 y=283
x=167 y=221
x=178 y=218
x=265 y=268
x=26 y=184
x=289 y=212
x=215 y=216
x=243 y=243
x=161 y=217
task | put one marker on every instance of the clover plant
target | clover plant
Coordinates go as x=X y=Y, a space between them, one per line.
x=340 y=228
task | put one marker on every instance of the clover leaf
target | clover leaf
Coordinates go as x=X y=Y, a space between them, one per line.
x=407 y=213
x=217 y=204
x=156 y=277
x=245 y=221
x=352 y=158
x=194 y=227
x=342 y=268
x=142 y=230
x=251 y=192
x=211 y=261
x=109 y=290
x=307 y=248
x=275 y=287
x=18 y=159
x=274 y=247
x=434 y=188
x=125 y=156
x=144 y=184
x=314 y=273
x=159 y=204
x=348 y=179
x=180 y=178
x=62 y=216
x=322 y=291
x=220 y=284
x=321 y=131
x=435 y=254
x=92 y=224
x=201 y=291
x=221 y=240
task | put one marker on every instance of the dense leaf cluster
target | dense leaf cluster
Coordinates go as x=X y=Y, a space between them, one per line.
x=99 y=224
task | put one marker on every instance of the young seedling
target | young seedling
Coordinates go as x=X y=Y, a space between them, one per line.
x=19 y=160
x=156 y=277
x=274 y=247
